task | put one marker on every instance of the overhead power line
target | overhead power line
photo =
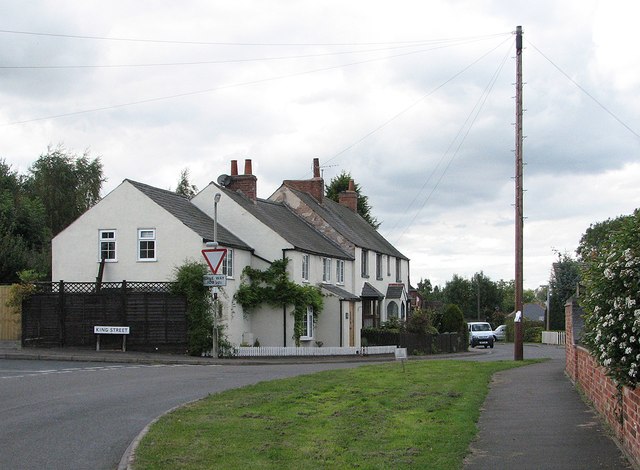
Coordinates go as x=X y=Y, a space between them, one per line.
x=461 y=136
x=231 y=61
x=223 y=43
x=583 y=90
x=415 y=103
x=210 y=90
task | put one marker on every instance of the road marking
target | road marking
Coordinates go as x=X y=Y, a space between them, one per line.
x=37 y=373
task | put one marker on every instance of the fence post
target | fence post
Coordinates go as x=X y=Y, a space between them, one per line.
x=123 y=315
x=61 y=313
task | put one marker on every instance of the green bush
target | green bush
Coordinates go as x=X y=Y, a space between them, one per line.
x=421 y=322
x=610 y=255
x=188 y=282
x=452 y=320
x=532 y=332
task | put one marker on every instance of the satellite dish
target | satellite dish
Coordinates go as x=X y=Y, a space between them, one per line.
x=224 y=180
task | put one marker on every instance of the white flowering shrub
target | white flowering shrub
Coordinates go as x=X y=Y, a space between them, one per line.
x=610 y=253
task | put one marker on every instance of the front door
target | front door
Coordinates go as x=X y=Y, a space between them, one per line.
x=352 y=324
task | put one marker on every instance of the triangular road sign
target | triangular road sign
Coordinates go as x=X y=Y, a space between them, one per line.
x=214 y=257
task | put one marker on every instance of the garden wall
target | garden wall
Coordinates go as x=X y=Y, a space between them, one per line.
x=620 y=411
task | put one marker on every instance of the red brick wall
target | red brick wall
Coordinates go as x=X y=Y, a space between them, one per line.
x=622 y=416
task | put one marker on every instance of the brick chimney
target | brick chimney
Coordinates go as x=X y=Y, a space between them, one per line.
x=314 y=186
x=247 y=183
x=349 y=198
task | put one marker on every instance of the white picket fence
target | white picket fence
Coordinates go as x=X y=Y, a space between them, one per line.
x=276 y=351
x=554 y=337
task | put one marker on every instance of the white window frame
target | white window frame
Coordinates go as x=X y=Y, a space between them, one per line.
x=307 y=325
x=326 y=270
x=379 y=266
x=306 y=261
x=364 y=263
x=102 y=239
x=227 y=264
x=340 y=271
x=398 y=270
x=145 y=239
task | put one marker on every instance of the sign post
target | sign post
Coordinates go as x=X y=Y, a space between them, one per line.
x=214 y=258
x=111 y=330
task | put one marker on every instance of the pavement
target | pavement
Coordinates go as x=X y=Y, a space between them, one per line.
x=532 y=418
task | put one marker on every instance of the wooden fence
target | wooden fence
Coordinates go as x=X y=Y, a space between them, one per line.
x=414 y=343
x=10 y=324
x=64 y=314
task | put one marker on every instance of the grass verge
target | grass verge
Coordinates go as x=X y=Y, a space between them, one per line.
x=421 y=414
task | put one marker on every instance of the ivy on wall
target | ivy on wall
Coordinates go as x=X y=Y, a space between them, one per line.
x=273 y=287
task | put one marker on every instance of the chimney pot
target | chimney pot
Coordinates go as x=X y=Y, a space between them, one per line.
x=234 y=167
x=316 y=168
x=247 y=167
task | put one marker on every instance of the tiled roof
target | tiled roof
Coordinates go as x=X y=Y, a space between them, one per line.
x=187 y=213
x=290 y=226
x=350 y=225
x=339 y=292
x=394 y=291
x=369 y=291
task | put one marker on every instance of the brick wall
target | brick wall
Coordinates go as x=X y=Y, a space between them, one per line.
x=621 y=413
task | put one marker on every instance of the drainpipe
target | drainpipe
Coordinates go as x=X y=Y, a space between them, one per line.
x=341 y=320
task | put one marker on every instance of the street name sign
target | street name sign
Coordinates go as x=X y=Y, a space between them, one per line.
x=111 y=330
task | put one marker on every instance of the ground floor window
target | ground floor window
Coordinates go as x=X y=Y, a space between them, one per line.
x=307 y=325
x=392 y=310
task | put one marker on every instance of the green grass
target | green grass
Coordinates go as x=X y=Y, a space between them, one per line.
x=420 y=415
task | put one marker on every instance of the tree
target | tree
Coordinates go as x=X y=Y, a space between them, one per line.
x=460 y=292
x=185 y=188
x=66 y=184
x=24 y=236
x=452 y=319
x=565 y=277
x=341 y=183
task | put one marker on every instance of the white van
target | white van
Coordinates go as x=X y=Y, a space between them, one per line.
x=480 y=333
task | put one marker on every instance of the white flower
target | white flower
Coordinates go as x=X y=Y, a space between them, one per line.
x=628 y=351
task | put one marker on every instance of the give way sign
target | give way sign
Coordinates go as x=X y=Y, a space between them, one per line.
x=214 y=257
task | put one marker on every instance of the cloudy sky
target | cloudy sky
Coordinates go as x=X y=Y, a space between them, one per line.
x=414 y=98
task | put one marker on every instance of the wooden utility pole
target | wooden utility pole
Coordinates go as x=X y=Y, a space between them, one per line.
x=518 y=349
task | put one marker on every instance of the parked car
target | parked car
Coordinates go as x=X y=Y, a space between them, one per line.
x=500 y=333
x=480 y=333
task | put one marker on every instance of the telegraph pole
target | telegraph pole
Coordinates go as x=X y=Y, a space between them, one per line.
x=518 y=349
